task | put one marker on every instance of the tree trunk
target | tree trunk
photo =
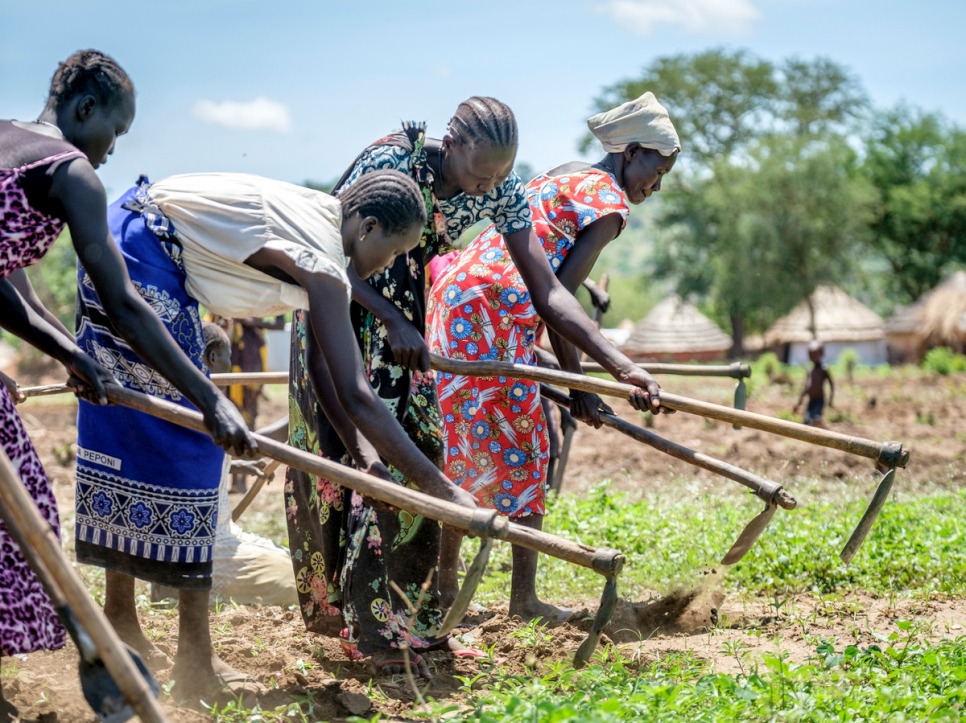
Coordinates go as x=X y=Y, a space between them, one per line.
x=737 y=335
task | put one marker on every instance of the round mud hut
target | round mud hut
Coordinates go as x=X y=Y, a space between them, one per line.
x=938 y=318
x=675 y=331
x=834 y=318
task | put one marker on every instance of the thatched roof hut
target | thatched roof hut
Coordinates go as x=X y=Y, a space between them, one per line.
x=840 y=321
x=676 y=331
x=936 y=319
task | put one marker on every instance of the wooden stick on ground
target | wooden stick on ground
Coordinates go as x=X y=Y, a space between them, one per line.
x=890 y=454
x=19 y=510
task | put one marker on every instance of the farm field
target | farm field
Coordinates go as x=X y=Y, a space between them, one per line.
x=788 y=633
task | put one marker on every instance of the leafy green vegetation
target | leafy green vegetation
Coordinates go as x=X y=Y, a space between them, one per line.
x=943 y=360
x=916 y=545
x=915 y=549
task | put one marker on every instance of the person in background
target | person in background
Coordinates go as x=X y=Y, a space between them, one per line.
x=815 y=387
x=248 y=352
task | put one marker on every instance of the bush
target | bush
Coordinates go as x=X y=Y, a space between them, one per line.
x=943 y=360
x=847 y=363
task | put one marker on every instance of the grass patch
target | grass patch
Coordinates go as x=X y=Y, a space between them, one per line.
x=899 y=680
x=916 y=546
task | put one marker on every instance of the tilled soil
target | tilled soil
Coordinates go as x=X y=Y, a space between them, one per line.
x=926 y=413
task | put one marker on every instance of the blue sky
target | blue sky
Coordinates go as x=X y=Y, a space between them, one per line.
x=294 y=90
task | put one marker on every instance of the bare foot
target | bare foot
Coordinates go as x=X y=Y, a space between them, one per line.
x=8 y=711
x=534 y=609
x=211 y=680
x=132 y=635
x=393 y=662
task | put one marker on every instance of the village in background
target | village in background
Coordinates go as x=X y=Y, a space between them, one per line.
x=797 y=211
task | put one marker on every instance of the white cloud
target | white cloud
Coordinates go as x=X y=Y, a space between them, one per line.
x=260 y=114
x=700 y=17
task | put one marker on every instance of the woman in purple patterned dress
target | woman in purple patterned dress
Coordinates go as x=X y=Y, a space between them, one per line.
x=47 y=182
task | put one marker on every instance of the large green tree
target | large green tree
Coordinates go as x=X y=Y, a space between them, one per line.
x=917 y=163
x=723 y=102
x=756 y=238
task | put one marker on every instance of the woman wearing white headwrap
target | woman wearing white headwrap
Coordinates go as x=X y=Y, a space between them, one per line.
x=489 y=302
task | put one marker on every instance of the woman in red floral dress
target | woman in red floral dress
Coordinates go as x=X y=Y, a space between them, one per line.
x=481 y=308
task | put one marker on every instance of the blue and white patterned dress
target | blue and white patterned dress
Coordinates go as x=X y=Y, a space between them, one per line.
x=147 y=490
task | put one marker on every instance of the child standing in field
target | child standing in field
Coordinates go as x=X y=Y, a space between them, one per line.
x=815 y=387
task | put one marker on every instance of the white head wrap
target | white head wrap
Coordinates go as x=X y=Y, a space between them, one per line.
x=643 y=121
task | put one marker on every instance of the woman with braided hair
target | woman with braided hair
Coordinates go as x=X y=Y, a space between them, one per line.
x=48 y=182
x=489 y=303
x=346 y=553
x=241 y=245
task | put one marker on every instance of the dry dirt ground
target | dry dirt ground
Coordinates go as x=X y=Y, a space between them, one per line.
x=926 y=413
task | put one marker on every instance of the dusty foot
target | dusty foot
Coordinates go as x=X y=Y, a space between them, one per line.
x=133 y=636
x=462 y=651
x=534 y=609
x=8 y=711
x=393 y=662
x=210 y=681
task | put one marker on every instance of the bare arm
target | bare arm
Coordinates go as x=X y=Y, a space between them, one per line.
x=407 y=344
x=87 y=377
x=21 y=283
x=83 y=199
x=362 y=452
x=275 y=324
x=563 y=314
x=831 y=388
x=572 y=274
x=332 y=333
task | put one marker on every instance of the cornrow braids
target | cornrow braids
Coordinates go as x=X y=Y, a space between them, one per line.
x=391 y=197
x=89 y=71
x=484 y=121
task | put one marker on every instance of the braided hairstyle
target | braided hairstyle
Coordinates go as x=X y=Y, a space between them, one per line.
x=391 y=197
x=89 y=72
x=484 y=121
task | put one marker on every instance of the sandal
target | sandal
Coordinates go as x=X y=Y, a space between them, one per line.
x=469 y=653
x=349 y=648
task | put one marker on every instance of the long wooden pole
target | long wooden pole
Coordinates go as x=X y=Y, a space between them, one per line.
x=889 y=453
x=735 y=371
x=479 y=522
x=19 y=511
x=769 y=491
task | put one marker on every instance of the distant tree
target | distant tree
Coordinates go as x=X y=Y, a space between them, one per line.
x=718 y=99
x=757 y=238
x=324 y=186
x=819 y=96
x=917 y=163
x=723 y=102
x=525 y=171
x=54 y=279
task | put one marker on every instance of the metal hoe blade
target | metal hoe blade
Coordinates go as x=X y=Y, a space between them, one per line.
x=608 y=601
x=465 y=596
x=871 y=512
x=741 y=398
x=749 y=535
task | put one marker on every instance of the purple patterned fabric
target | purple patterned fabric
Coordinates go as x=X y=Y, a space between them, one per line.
x=27 y=618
